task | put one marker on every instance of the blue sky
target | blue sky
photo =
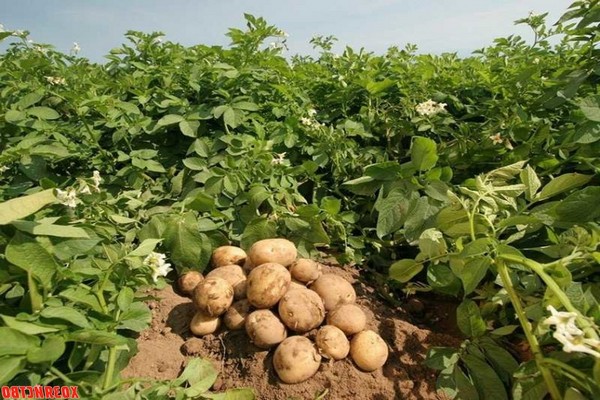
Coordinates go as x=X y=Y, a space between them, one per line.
x=434 y=25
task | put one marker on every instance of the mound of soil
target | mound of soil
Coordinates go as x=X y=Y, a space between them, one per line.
x=166 y=346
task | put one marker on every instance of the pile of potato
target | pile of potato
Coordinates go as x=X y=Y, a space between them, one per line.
x=272 y=294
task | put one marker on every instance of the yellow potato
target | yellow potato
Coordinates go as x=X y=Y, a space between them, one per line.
x=188 y=281
x=368 y=350
x=265 y=329
x=296 y=359
x=305 y=270
x=334 y=291
x=280 y=251
x=301 y=310
x=350 y=318
x=332 y=342
x=234 y=274
x=227 y=255
x=266 y=284
x=203 y=324
x=235 y=316
x=213 y=296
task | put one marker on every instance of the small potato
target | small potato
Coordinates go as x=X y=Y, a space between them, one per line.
x=305 y=270
x=301 y=310
x=350 y=318
x=334 y=290
x=227 y=255
x=280 y=251
x=213 y=296
x=265 y=329
x=296 y=359
x=234 y=274
x=332 y=342
x=235 y=316
x=203 y=324
x=266 y=284
x=188 y=281
x=368 y=350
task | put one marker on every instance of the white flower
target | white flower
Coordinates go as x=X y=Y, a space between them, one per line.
x=312 y=112
x=85 y=190
x=158 y=40
x=536 y=60
x=18 y=32
x=279 y=160
x=430 y=107
x=97 y=179
x=156 y=261
x=56 y=80
x=569 y=335
x=76 y=48
x=40 y=49
x=68 y=197
x=3 y=168
x=497 y=138
x=544 y=78
x=306 y=121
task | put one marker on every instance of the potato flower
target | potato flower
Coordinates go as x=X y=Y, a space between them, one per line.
x=156 y=261
x=569 y=335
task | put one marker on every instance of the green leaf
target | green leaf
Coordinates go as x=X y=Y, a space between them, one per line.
x=169 y=119
x=15 y=342
x=30 y=99
x=120 y=219
x=22 y=207
x=331 y=205
x=45 y=229
x=10 y=367
x=14 y=116
x=66 y=249
x=200 y=374
x=145 y=248
x=441 y=358
x=561 y=184
x=529 y=383
x=486 y=380
x=471 y=272
x=423 y=153
x=501 y=360
x=82 y=296
x=245 y=105
x=185 y=243
x=377 y=87
x=189 y=128
x=258 y=229
x=125 y=298
x=465 y=389
x=43 y=113
x=393 y=211
x=432 y=243
x=195 y=163
x=93 y=336
x=69 y=314
x=469 y=319
x=136 y=318
x=27 y=254
x=589 y=108
x=405 y=270
x=581 y=206
x=51 y=350
x=385 y=171
x=28 y=328
x=531 y=181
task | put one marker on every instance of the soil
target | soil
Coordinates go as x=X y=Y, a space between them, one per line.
x=165 y=347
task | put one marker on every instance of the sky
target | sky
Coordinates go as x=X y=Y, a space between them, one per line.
x=435 y=26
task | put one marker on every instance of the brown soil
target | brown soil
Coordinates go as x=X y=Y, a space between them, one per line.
x=165 y=347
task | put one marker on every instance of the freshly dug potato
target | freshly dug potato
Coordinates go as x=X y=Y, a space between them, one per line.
x=332 y=342
x=213 y=296
x=280 y=251
x=266 y=284
x=234 y=274
x=368 y=350
x=188 y=281
x=305 y=270
x=334 y=290
x=301 y=310
x=296 y=285
x=296 y=359
x=203 y=324
x=235 y=316
x=227 y=255
x=350 y=318
x=265 y=329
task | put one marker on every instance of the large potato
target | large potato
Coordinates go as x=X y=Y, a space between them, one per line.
x=349 y=318
x=227 y=255
x=368 y=350
x=305 y=270
x=213 y=296
x=334 y=290
x=332 y=342
x=295 y=359
x=188 y=281
x=265 y=329
x=235 y=316
x=280 y=251
x=203 y=324
x=266 y=284
x=301 y=310
x=234 y=274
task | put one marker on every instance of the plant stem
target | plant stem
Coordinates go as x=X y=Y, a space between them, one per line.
x=110 y=367
x=526 y=325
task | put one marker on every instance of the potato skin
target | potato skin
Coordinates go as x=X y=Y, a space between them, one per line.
x=332 y=342
x=266 y=284
x=280 y=251
x=350 y=318
x=188 y=281
x=234 y=274
x=296 y=359
x=213 y=296
x=334 y=290
x=227 y=255
x=203 y=324
x=296 y=285
x=301 y=310
x=265 y=329
x=235 y=316
x=305 y=270
x=368 y=350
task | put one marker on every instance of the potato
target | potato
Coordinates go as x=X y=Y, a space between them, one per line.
x=295 y=359
x=368 y=350
x=296 y=285
x=266 y=284
x=334 y=290
x=350 y=318
x=227 y=255
x=234 y=274
x=213 y=296
x=203 y=324
x=188 y=281
x=332 y=342
x=280 y=251
x=301 y=310
x=305 y=270
x=235 y=316
x=265 y=329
